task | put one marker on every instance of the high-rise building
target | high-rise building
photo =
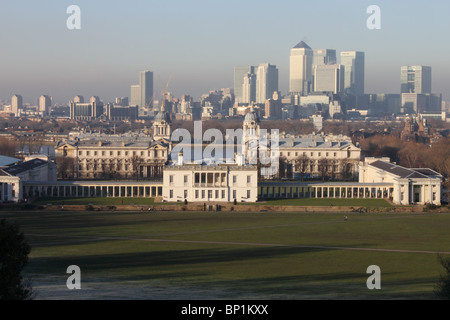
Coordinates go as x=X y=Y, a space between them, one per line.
x=78 y=99
x=146 y=84
x=266 y=81
x=328 y=78
x=273 y=107
x=249 y=88
x=16 y=104
x=353 y=62
x=415 y=79
x=86 y=111
x=300 y=68
x=45 y=103
x=240 y=73
x=135 y=96
x=324 y=57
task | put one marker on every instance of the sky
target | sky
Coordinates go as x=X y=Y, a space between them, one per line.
x=197 y=43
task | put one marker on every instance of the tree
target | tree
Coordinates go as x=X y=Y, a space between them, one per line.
x=443 y=286
x=14 y=251
x=302 y=163
x=323 y=166
x=65 y=167
x=7 y=147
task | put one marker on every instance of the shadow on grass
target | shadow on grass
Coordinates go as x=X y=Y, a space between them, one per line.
x=108 y=262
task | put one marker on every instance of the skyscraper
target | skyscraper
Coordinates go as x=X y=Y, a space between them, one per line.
x=16 y=104
x=300 y=68
x=239 y=74
x=266 y=81
x=415 y=79
x=78 y=99
x=329 y=78
x=146 y=87
x=324 y=57
x=249 y=88
x=353 y=62
x=44 y=104
x=135 y=95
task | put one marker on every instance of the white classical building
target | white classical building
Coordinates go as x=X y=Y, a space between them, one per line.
x=204 y=182
x=410 y=186
x=13 y=177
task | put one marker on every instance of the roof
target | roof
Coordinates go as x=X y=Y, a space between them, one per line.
x=313 y=142
x=302 y=45
x=404 y=173
x=25 y=166
x=251 y=116
x=6 y=161
x=162 y=116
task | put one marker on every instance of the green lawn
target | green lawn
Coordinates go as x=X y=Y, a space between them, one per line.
x=231 y=255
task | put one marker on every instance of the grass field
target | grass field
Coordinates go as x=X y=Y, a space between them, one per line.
x=190 y=255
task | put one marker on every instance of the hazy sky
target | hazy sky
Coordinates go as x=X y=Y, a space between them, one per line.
x=200 y=42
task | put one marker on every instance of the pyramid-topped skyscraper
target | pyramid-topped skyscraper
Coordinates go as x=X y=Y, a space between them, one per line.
x=300 y=77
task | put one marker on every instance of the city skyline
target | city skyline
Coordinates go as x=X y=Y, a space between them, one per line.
x=118 y=40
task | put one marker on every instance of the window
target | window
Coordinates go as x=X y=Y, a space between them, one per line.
x=223 y=194
x=210 y=194
x=234 y=179
x=87 y=153
x=196 y=194
x=103 y=153
x=234 y=194
x=248 y=194
x=217 y=194
x=126 y=153
x=110 y=153
x=170 y=194
x=185 y=179
x=320 y=154
x=95 y=153
x=80 y=153
x=203 y=194
x=171 y=179
x=334 y=154
x=249 y=179
x=118 y=153
x=312 y=154
x=185 y=194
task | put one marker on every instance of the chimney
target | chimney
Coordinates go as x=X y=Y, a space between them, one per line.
x=180 y=158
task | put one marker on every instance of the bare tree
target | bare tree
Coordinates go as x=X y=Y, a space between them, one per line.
x=302 y=164
x=7 y=147
x=323 y=167
x=65 y=168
